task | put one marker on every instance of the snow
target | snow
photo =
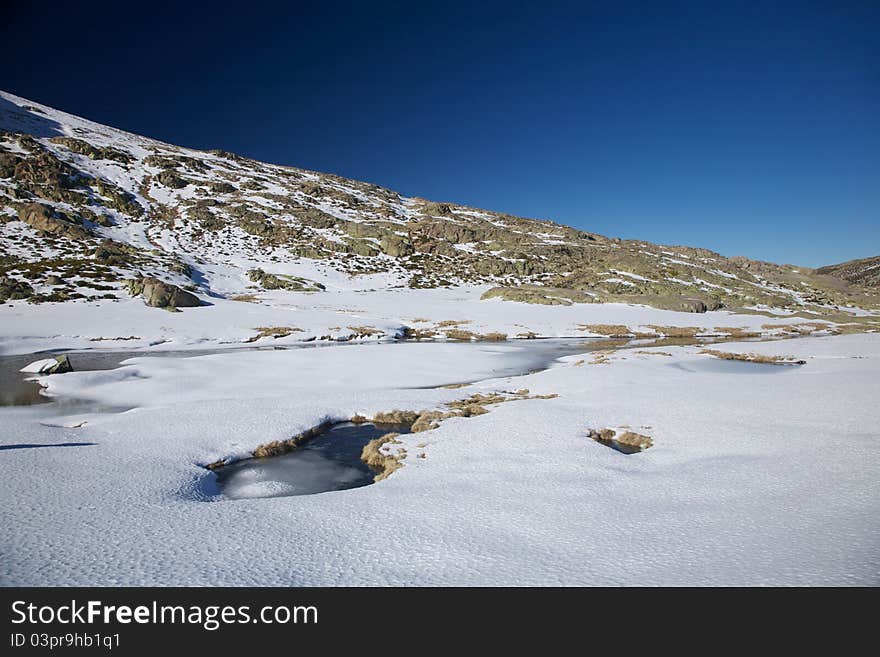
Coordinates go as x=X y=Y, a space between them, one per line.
x=39 y=365
x=26 y=328
x=785 y=493
x=753 y=479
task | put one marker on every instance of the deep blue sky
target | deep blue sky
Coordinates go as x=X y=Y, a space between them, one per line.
x=747 y=128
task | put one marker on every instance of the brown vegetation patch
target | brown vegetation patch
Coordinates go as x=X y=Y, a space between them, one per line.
x=246 y=298
x=627 y=442
x=468 y=336
x=273 y=332
x=384 y=462
x=753 y=358
x=610 y=330
x=737 y=332
x=365 y=331
x=419 y=334
x=677 y=331
x=802 y=328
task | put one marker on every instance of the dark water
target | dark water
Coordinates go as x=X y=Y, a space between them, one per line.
x=521 y=357
x=330 y=461
x=17 y=390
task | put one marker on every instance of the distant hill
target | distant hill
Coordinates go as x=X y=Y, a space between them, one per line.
x=865 y=271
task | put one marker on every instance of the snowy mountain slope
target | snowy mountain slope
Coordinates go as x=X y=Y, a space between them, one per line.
x=88 y=211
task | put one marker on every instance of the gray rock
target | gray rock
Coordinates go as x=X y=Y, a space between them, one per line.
x=159 y=294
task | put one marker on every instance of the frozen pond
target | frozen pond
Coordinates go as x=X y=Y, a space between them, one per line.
x=330 y=461
x=521 y=357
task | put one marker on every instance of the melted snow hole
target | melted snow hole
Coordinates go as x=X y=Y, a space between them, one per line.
x=329 y=461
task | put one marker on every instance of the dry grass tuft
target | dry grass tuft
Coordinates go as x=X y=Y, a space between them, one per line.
x=365 y=331
x=384 y=462
x=246 y=298
x=610 y=330
x=273 y=332
x=753 y=358
x=737 y=332
x=677 y=331
x=396 y=418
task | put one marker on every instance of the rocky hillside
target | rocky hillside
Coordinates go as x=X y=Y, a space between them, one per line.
x=90 y=212
x=865 y=271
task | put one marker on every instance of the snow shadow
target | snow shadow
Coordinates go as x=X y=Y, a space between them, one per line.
x=35 y=446
x=19 y=119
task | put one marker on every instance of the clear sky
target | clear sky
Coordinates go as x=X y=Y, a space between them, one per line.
x=749 y=128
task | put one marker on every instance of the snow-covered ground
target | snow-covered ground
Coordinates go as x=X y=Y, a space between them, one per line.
x=27 y=328
x=754 y=478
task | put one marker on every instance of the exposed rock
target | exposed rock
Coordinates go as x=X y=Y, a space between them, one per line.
x=396 y=246
x=684 y=304
x=550 y=296
x=222 y=188
x=8 y=162
x=49 y=222
x=283 y=281
x=93 y=152
x=11 y=289
x=110 y=252
x=159 y=294
x=861 y=272
x=170 y=178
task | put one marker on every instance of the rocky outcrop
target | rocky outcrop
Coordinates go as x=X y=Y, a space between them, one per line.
x=669 y=302
x=93 y=152
x=170 y=178
x=11 y=289
x=860 y=272
x=283 y=282
x=396 y=246
x=51 y=223
x=110 y=252
x=159 y=294
x=548 y=296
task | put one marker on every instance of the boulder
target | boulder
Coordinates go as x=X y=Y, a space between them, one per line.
x=49 y=222
x=159 y=294
x=396 y=246
x=222 y=188
x=171 y=179
x=283 y=281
